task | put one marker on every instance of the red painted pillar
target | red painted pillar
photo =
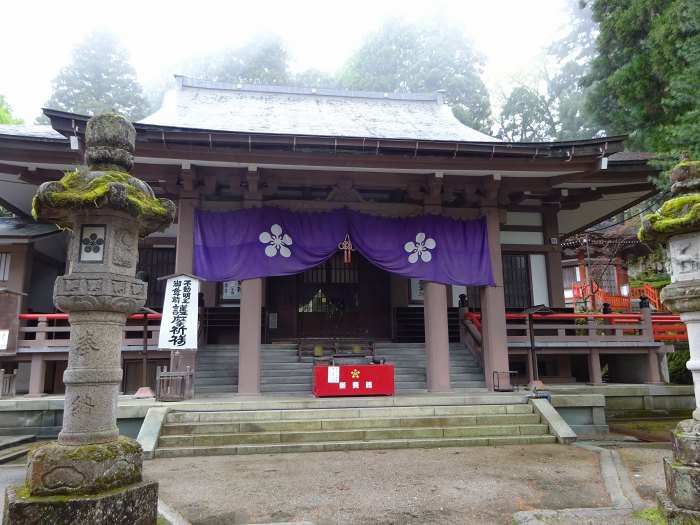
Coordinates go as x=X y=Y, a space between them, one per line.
x=249 y=339
x=437 y=341
x=493 y=307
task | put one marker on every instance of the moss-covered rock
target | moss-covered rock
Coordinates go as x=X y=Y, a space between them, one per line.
x=106 y=183
x=678 y=215
x=82 y=190
x=56 y=469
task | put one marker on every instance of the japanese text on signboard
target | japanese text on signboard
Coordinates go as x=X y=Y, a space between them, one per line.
x=180 y=311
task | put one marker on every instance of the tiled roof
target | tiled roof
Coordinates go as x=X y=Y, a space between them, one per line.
x=197 y=104
x=30 y=131
x=625 y=156
x=18 y=227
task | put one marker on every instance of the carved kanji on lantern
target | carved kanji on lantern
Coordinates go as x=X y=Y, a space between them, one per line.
x=347 y=248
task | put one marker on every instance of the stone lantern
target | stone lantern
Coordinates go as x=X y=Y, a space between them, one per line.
x=678 y=224
x=98 y=472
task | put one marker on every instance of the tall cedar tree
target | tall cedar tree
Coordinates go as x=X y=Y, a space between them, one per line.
x=99 y=79
x=263 y=60
x=553 y=109
x=644 y=80
x=429 y=56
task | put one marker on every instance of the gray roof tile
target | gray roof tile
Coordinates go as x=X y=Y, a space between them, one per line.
x=20 y=227
x=298 y=111
x=30 y=131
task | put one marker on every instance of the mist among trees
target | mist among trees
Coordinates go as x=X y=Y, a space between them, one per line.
x=621 y=68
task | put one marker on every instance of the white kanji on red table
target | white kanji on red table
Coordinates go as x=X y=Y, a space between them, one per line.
x=368 y=384
x=356 y=384
x=341 y=385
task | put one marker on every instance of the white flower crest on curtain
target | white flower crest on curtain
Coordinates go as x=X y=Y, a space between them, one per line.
x=276 y=242
x=420 y=248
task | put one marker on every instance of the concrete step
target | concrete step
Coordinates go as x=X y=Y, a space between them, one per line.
x=184 y=429
x=281 y=371
x=352 y=434
x=363 y=410
x=13 y=448
x=328 y=425
x=181 y=451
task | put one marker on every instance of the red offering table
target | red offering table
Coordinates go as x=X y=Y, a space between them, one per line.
x=353 y=380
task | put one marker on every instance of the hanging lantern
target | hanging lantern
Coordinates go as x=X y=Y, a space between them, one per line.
x=347 y=248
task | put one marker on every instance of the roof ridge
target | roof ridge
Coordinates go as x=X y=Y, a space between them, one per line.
x=189 y=82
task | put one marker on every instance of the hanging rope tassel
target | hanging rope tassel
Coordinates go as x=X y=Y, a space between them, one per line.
x=347 y=248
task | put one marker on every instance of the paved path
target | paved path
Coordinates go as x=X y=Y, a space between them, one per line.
x=582 y=484
x=475 y=486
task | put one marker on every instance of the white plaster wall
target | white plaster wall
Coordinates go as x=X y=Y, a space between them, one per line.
x=535 y=238
x=538 y=273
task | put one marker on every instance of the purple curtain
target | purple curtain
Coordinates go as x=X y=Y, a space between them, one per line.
x=429 y=247
x=261 y=242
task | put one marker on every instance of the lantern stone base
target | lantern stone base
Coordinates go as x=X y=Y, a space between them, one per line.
x=66 y=470
x=136 y=504
x=683 y=484
x=675 y=515
x=681 y=503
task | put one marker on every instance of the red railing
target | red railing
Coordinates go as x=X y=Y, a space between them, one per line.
x=598 y=296
x=591 y=327
x=53 y=330
x=650 y=292
x=669 y=328
x=619 y=303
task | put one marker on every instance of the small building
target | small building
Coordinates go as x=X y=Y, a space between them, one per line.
x=315 y=214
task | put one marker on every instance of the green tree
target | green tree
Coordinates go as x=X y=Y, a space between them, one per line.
x=429 y=56
x=263 y=60
x=644 y=80
x=6 y=113
x=315 y=78
x=526 y=117
x=551 y=106
x=99 y=79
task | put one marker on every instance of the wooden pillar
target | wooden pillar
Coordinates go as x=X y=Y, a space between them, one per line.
x=653 y=372
x=249 y=341
x=555 y=274
x=619 y=276
x=36 y=376
x=436 y=337
x=594 y=372
x=184 y=248
x=493 y=309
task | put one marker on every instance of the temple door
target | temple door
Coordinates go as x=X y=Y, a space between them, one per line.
x=328 y=299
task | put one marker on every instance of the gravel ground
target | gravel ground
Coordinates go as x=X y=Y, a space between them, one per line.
x=448 y=486
x=479 y=485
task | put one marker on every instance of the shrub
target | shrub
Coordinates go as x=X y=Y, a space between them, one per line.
x=677 y=371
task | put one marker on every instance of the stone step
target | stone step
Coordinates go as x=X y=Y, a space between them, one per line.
x=181 y=429
x=290 y=388
x=286 y=379
x=352 y=445
x=352 y=434
x=13 y=448
x=280 y=369
x=362 y=411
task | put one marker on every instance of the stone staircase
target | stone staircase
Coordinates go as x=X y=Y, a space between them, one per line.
x=409 y=366
x=14 y=449
x=353 y=424
x=216 y=370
